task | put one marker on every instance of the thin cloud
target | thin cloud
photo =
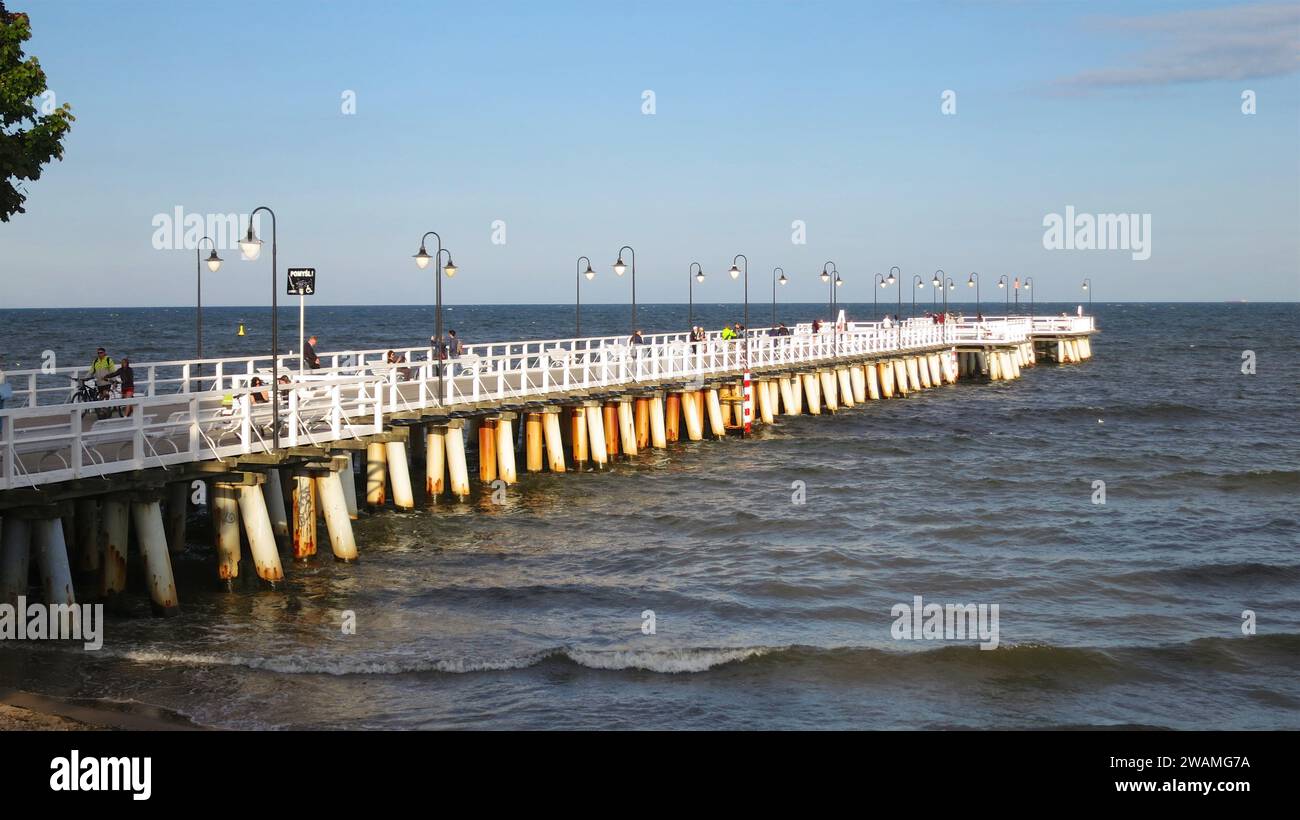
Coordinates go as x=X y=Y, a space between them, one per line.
x=1230 y=43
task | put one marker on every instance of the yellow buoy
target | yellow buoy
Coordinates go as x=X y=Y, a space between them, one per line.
x=241 y=329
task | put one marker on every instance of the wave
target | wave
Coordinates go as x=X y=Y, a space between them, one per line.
x=946 y=662
x=1248 y=572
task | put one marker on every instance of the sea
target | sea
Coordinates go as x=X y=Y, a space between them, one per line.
x=1133 y=518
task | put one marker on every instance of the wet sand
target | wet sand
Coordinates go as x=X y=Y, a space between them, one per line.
x=23 y=711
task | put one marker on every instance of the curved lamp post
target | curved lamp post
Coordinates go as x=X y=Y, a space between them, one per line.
x=214 y=264
x=918 y=282
x=1087 y=285
x=1029 y=286
x=577 y=293
x=252 y=248
x=619 y=267
x=735 y=273
x=826 y=277
x=782 y=281
x=875 y=303
x=891 y=279
x=937 y=284
x=422 y=259
x=1003 y=281
x=694 y=276
x=974 y=282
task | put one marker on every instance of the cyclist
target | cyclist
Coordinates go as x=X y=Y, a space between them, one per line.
x=100 y=368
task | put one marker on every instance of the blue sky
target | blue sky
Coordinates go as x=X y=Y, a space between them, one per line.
x=765 y=113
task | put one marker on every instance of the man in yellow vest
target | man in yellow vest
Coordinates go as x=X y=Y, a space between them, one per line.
x=100 y=369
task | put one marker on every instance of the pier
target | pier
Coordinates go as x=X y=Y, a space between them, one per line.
x=81 y=495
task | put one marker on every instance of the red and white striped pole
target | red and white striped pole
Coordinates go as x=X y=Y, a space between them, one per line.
x=748 y=403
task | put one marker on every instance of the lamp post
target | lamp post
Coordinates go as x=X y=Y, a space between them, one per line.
x=1087 y=285
x=875 y=304
x=252 y=248
x=826 y=277
x=695 y=273
x=577 y=293
x=974 y=282
x=919 y=283
x=422 y=260
x=782 y=281
x=735 y=273
x=1029 y=286
x=214 y=264
x=619 y=267
x=1002 y=284
x=891 y=279
x=937 y=284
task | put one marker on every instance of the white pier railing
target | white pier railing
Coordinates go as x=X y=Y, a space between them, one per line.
x=176 y=418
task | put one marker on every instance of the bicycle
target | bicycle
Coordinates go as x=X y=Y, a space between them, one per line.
x=86 y=393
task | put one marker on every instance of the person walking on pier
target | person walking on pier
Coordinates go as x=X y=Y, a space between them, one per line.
x=727 y=333
x=126 y=376
x=636 y=338
x=454 y=346
x=309 y=354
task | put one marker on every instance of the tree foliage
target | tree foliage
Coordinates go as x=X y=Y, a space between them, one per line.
x=31 y=128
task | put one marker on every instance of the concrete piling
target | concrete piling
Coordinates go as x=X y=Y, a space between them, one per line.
x=350 y=485
x=830 y=390
x=691 y=412
x=578 y=420
x=487 y=451
x=114 y=524
x=337 y=523
x=376 y=467
x=885 y=372
x=304 y=517
x=52 y=559
x=658 y=431
x=88 y=535
x=786 y=387
x=627 y=426
x=717 y=424
x=872 y=375
x=812 y=393
x=641 y=413
x=399 y=473
x=858 y=380
x=505 y=431
x=609 y=420
x=261 y=538
x=152 y=537
x=15 y=558
x=435 y=461
x=845 y=387
x=453 y=446
x=178 y=503
x=225 y=526
x=276 y=509
x=533 y=442
x=596 y=434
x=554 y=436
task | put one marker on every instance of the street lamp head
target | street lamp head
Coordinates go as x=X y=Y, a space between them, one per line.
x=1001 y=283
x=891 y=280
x=838 y=280
x=699 y=277
x=619 y=267
x=589 y=273
x=1085 y=285
x=422 y=258
x=735 y=272
x=783 y=280
x=214 y=261
x=935 y=281
x=449 y=268
x=250 y=244
x=826 y=277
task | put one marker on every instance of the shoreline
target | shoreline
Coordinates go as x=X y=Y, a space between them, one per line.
x=29 y=712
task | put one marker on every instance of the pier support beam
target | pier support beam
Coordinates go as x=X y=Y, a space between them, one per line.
x=923 y=370
x=609 y=418
x=691 y=410
x=830 y=390
x=337 y=522
x=936 y=375
x=152 y=537
x=261 y=539
x=52 y=559
x=87 y=530
x=717 y=424
x=115 y=527
x=487 y=451
x=178 y=503
x=673 y=417
x=627 y=426
x=596 y=434
x=658 y=431
x=796 y=385
x=376 y=467
x=276 y=509
x=641 y=411
x=350 y=484
x=399 y=473
x=859 y=382
x=304 y=517
x=554 y=436
x=871 y=373
x=435 y=461
x=845 y=386
x=578 y=436
x=763 y=393
x=453 y=442
x=786 y=389
x=533 y=442
x=15 y=558
x=812 y=393
x=225 y=526
x=506 y=449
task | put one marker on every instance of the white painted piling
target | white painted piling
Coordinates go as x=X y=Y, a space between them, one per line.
x=859 y=383
x=399 y=474
x=936 y=374
x=885 y=375
x=658 y=428
x=596 y=434
x=900 y=377
x=716 y=423
x=627 y=426
x=350 y=485
x=812 y=393
x=533 y=445
x=691 y=415
x=304 y=517
x=15 y=558
x=52 y=559
x=152 y=538
x=554 y=439
x=913 y=373
x=337 y=523
x=457 y=471
x=871 y=375
x=506 y=470
x=261 y=538
x=115 y=526
x=830 y=390
x=225 y=523
x=786 y=387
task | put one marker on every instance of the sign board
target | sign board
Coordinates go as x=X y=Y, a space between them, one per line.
x=301 y=282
